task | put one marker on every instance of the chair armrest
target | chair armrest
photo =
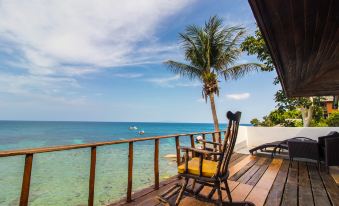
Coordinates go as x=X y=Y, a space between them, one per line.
x=200 y=151
x=303 y=138
x=210 y=142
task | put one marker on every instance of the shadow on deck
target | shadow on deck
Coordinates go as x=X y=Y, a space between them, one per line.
x=262 y=181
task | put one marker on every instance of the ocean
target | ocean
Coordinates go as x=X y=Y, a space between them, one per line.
x=61 y=178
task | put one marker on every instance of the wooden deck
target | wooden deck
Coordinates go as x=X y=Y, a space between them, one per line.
x=263 y=181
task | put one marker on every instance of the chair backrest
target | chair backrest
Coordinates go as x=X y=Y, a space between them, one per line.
x=303 y=149
x=229 y=142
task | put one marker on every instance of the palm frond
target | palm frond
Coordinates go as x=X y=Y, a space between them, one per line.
x=240 y=70
x=184 y=70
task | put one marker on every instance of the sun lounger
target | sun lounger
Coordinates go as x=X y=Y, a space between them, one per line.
x=276 y=146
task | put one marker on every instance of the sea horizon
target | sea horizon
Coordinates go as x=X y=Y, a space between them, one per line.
x=9 y=120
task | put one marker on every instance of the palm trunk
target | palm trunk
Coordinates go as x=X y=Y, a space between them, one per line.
x=215 y=117
x=307 y=114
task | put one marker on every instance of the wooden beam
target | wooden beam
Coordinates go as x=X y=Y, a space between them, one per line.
x=192 y=144
x=87 y=145
x=26 y=180
x=156 y=164
x=204 y=143
x=130 y=172
x=177 y=147
x=92 y=176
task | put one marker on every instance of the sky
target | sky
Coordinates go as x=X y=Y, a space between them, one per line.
x=87 y=60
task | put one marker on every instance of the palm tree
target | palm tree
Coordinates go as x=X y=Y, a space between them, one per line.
x=211 y=52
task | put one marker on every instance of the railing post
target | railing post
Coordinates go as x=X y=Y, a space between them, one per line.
x=220 y=140
x=92 y=176
x=130 y=172
x=192 y=144
x=26 y=180
x=215 y=146
x=204 y=138
x=177 y=146
x=214 y=140
x=156 y=164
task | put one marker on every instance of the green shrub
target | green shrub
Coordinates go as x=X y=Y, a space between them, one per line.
x=333 y=120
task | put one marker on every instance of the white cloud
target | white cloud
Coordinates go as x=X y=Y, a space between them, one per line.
x=128 y=75
x=53 y=42
x=173 y=81
x=41 y=88
x=68 y=36
x=238 y=96
x=164 y=81
x=189 y=84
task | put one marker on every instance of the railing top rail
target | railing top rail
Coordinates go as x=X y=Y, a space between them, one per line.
x=87 y=145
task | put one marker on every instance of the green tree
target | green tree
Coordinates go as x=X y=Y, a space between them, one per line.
x=333 y=119
x=309 y=107
x=211 y=52
x=286 y=118
x=255 y=45
x=255 y=122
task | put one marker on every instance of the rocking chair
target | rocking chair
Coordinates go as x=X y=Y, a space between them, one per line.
x=208 y=172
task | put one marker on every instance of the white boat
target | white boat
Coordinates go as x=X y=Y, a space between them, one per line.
x=133 y=128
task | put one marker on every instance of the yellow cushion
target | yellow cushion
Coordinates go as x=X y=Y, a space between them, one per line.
x=208 y=167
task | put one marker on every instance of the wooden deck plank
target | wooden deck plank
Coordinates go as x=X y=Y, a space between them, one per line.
x=269 y=189
x=236 y=167
x=236 y=156
x=331 y=187
x=249 y=174
x=319 y=192
x=275 y=195
x=256 y=177
x=237 y=160
x=192 y=201
x=305 y=192
x=241 y=192
x=148 y=195
x=261 y=189
x=206 y=190
x=243 y=170
x=290 y=196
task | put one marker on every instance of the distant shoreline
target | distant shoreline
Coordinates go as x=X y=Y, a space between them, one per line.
x=84 y=121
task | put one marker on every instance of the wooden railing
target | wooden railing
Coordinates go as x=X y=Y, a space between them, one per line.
x=29 y=153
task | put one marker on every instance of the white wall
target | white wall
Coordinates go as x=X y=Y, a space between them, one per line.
x=260 y=135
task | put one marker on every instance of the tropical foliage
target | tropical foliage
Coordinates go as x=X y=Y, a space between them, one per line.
x=333 y=120
x=306 y=109
x=211 y=52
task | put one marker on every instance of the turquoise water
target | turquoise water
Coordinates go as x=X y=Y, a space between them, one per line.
x=61 y=178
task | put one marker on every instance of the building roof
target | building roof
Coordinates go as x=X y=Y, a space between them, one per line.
x=303 y=39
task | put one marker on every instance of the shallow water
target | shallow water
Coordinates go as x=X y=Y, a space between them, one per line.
x=61 y=178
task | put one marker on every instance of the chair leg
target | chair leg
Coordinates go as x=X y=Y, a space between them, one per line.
x=211 y=193
x=193 y=185
x=199 y=189
x=181 y=193
x=219 y=194
x=228 y=191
